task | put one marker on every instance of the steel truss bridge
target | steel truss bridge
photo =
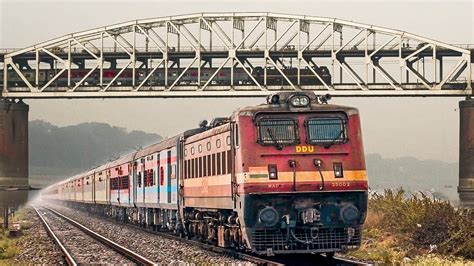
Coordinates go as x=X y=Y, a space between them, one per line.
x=237 y=55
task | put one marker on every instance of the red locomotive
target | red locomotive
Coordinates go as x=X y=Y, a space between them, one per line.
x=287 y=176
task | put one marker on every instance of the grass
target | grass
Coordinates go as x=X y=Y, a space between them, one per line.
x=416 y=229
x=8 y=247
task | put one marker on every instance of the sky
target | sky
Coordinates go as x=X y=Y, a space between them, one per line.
x=426 y=128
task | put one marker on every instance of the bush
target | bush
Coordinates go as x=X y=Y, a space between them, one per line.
x=7 y=249
x=423 y=223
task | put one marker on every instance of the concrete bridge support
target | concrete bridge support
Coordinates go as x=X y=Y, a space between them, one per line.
x=13 y=144
x=466 y=153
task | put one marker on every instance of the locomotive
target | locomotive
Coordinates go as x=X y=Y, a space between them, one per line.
x=157 y=78
x=283 y=177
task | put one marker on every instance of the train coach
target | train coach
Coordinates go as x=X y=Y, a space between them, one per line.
x=157 y=78
x=287 y=176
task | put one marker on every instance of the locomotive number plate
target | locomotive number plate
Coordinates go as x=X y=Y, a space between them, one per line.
x=304 y=149
x=340 y=184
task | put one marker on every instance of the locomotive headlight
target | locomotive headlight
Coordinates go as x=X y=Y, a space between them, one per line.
x=304 y=101
x=295 y=101
x=299 y=101
x=268 y=216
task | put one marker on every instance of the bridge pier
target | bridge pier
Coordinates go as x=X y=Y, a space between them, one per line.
x=13 y=144
x=466 y=153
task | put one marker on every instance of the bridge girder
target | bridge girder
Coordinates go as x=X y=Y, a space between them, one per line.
x=237 y=54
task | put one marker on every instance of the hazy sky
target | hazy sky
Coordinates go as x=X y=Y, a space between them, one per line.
x=426 y=128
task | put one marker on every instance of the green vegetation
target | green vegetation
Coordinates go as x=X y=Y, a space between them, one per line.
x=416 y=229
x=9 y=245
x=7 y=248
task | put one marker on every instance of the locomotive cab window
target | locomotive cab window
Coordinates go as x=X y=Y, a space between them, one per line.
x=277 y=132
x=326 y=131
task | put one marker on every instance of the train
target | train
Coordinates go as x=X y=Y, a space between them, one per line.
x=284 y=177
x=157 y=78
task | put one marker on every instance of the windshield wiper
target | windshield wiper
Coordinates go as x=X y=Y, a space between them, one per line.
x=270 y=133
x=334 y=139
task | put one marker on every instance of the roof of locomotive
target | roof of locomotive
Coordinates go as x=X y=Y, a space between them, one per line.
x=252 y=110
x=283 y=105
x=210 y=132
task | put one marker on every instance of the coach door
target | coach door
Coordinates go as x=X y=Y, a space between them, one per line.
x=134 y=181
x=168 y=175
x=234 y=143
x=158 y=177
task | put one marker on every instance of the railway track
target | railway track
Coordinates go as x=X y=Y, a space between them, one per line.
x=311 y=259
x=303 y=259
x=81 y=245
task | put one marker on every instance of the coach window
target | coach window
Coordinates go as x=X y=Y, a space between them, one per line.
x=223 y=162
x=218 y=143
x=204 y=165
x=185 y=152
x=124 y=182
x=208 y=145
x=200 y=148
x=214 y=164
x=227 y=140
x=218 y=163
x=236 y=135
x=209 y=165
x=196 y=167
x=200 y=166
x=229 y=162
x=150 y=178
x=189 y=169
x=192 y=150
x=186 y=169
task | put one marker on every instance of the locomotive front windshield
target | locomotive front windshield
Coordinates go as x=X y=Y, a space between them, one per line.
x=277 y=132
x=326 y=131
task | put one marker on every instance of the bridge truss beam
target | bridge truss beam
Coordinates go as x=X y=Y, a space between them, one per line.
x=237 y=55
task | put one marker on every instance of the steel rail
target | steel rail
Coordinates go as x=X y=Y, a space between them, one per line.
x=133 y=256
x=69 y=259
x=215 y=249
x=277 y=261
x=350 y=261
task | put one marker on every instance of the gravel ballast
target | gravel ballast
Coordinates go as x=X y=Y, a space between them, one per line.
x=35 y=246
x=154 y=247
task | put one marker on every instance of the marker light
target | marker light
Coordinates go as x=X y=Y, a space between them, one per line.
x=338 y=170
x=274 y=99
x=272 y=171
